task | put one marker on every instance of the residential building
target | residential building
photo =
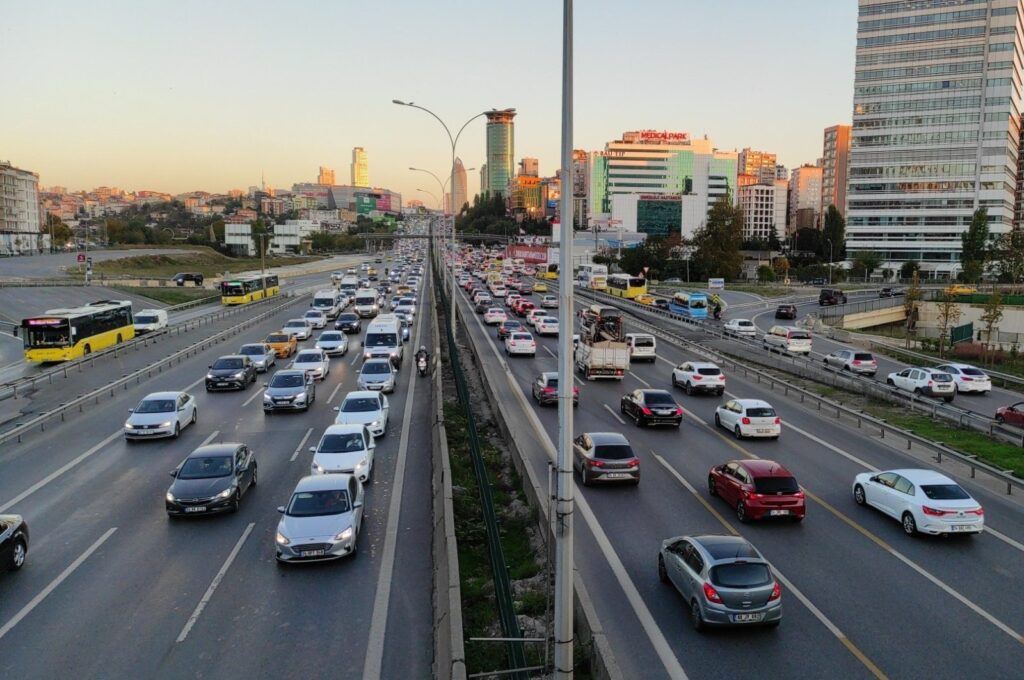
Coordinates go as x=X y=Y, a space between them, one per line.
x=835 y=158
x=20 y=211
x=238 y=237
x=525 y=196
x=580 y=188
x=529 y=167
x=360 y=168
x=501 y=142
x=936 y=119
x=781 y=172
x=550 y=196
x=460 y=194
x=760 y=164
x=804 y=198
x=326 y=176
x=764 y=208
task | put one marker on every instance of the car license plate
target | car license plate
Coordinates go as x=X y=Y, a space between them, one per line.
x=775 y=513
x=196 y=508
x=312 y=553
x=747 y=618
x=616 y=475
x=222 y=384
x=961 y=527
x=763 y=430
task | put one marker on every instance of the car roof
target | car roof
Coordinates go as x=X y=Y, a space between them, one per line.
x=953 y=365
x=607 y=437
x=289 y=371
x=922 y=476
x=702 y=364
x=323 y=482
x=162 y=395
x=221 y=449
x=658 y=391
x=548 y=375
x=310 y=350
x=377 y=360
x=231 y=356
x=344 y=429
x=764 y=468
x=361 y=394
x=747 y=403
x=726 y=548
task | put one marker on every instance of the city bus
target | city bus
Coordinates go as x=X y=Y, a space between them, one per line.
x=66 y=334
x=547 y=271
x=691 y=305
x=246 y=289
x=592 y=276
x=626 y=286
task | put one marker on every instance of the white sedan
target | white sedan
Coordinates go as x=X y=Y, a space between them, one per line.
x=316 y=318
x=368 y=408
x=314 y=362
x=520 y=343
x=967 y=378
x=749 y=418
x=743 y=328
x=333 y=343
x=495 y=315
x=921 y=501
x=549 y=302
x=546 y=325
x=161 y=414
x=297 y=327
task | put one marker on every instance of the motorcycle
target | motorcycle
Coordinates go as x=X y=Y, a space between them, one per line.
x=718 y=315
x=421 y=364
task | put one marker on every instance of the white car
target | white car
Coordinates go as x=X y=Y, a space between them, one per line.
x=699 y=376
x=407 y=307
x=161 y=414
x=546 y=325
x=322 y=519
x=313 y=362
x=510 y=298
x=337 y=276
x=520 y=343
x=927 y=381
x=316 y=318
x=533 y=315
x=749 y=418
x=921 y=501
x=853 y=361
x=742 y=328
x=149 y=320
x=333 y=343
x=262 y=355
x=364 y=408
x=967 y=378
x=344 y=449
x=549 y=302
x=297 y=327
x=495 y=315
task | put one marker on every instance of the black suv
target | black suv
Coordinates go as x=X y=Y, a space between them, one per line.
x=785 y=312
x=831 y=296
x=184 y=277
x=231 y=372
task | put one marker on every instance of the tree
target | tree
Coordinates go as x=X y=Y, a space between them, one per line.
x=909 y=268
x=607 y=260
x=949 y=314
x=1008 y=253
x=834 y=229
x=718 y=241
x=780 y=266
x=765 y=274
x=865 y=262
x=910 y=299
x=992 y=314
x=974 y=246
x=810 y=241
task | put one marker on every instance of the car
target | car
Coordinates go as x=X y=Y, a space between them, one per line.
x=212 y=479
x=149 y=320
x=315 y=318
x=533 y=315
x=314 y=362
x=748 y=418
x=283 y=343
x=289 y=390
x=757 y=489
x=377 y=374
x=495 y=315
x=506 y=328
x=929 y=382
x=182 y=278
x=348 y=322
x=662 y=303
x=1011 y=415
x=406 y=306
x=525 y=289
x=673 y=280
x=922 y=501
x=549 y=302
x=161 y=414
x=787 y=339
x=345 y=449
x=300 y=328
x=511 y=298
x=231 y=372
x=651 y=407
x=367 y=408
x=831 y=296
x=333 y=343
x=540 y=287
x=890 y=292
x=262 y=355
x=395 y=299
x=724 y=581
x=605 y=457
x=785 y=312
x=337 y=276
x=520 y=343
x=406 y=323
x=644 y=299
x=546 y=325
x=967 y=378
x=483 y=305
x=959 y=289
x=545 y=389
x=699 y=376
x=741 y=328
x=321 y=521
x=14 y=541
x=851 y=360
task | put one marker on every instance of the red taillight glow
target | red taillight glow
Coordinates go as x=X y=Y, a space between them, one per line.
x=966 y=379
x=745 y=420
x=856 y=362
x=696 y=377
x=634 y=463
x=778 y=420
x=711 y=594
x=646 y=411
x=776 y=592
x=549 y=390
x=933 y=511
x=679 y=411
x=980 y=512
x=930 y=383
x=595 y=463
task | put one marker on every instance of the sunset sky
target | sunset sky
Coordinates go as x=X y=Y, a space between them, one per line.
x=185 y=95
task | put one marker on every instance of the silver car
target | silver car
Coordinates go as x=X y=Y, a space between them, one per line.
x=289 y=390
x=260 y=354
x=406 y=322
x=852 y=361
x=724 y=581
x=333 y=343
x=377 y=374
x=322 y=519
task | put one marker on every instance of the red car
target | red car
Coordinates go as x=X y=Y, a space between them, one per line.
x=522 y=307
x=506 y=328
x=757 y=489
x=1011 y=415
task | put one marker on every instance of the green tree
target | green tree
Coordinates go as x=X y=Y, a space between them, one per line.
x=992 y=314
x=718 y=241
x=765 y=274
x=909 y=268
x=1008 y=253
x=865 y=262
x=810 y=241
x=949 y=314
x=834 y=229
x=974 y=246
x=644 y=259
x=910 y=299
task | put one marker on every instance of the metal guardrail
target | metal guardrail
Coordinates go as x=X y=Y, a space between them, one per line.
x=829 y=312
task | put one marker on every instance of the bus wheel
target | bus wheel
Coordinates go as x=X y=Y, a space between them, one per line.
x=87 y=350
x=119 y=340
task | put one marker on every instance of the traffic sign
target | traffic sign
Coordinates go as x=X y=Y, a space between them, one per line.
x=81 y=257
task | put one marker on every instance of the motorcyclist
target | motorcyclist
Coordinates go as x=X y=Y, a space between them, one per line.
x=422 y=354
x=718 y=311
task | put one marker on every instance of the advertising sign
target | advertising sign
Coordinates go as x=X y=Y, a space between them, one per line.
x=384 y=202
x=716 y=284
x=529 y=254
x=365 y=204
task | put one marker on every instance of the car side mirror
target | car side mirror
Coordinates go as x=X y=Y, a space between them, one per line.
x=210 y=366
x=131 y=410
x=280 y=509
x=373 y=443
x=357 y=504
x=266 y=384
x=873 y=479
x=174 y=473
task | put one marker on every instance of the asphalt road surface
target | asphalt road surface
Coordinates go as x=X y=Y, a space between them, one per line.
x=52 y=265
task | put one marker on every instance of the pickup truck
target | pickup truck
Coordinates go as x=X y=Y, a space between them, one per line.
x=602 y=359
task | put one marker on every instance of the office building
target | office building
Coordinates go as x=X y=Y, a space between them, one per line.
x=360 y=168
x=580 y=188
x=804 y=198
x=501 y=141
x=483 y=180
x=764 y=208
x=460 y=195
x=326 y=176
x=759 y=164
x=525 y=196
x=936 y=118
x=19 y=211
x=529 y=167
x=835 y=158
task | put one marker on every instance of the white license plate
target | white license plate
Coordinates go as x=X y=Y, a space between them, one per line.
x=222 y=384
x=763 y=430
x=961 y=527
x=616 y=475
x=775 y=513
x=747 y=618
x=312 y=553
x=196 y=508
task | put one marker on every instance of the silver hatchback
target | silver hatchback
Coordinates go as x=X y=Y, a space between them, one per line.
x=377 y=374
x=289 y=390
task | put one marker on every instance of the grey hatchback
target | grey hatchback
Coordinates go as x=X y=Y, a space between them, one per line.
x=605 y=457
x=289 y=390
x=724 y=580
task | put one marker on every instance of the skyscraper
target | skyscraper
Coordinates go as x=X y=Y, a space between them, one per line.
x=501 y=142
x=483 y=180
x=804 y=197
x=459 y=191
x=360 y=168
x=529 y=167
x=936 y=114
x=326 y=176
x=835 y=157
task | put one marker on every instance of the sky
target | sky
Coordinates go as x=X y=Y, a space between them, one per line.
x=188 y=95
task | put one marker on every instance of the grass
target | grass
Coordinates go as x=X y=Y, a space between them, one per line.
x=203 y=259
x=169 y=296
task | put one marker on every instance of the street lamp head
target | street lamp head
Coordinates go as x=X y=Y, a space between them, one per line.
x=399 y=102
x=415 y=169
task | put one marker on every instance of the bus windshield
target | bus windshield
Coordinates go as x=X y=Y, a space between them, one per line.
x=57 y=335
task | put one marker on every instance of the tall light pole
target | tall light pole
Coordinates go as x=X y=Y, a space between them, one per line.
x=433 y=196
x=829 y=260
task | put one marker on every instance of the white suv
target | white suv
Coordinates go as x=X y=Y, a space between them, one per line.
x=787 y=339
x=699 y=376
x=927 y=381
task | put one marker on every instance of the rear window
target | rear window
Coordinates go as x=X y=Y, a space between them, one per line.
x=659 y=398
x=944 y=492
x=613 y=451
x=709 y=371
x=761 y=412
x=964 y=371
x=863 y=356
x=744 y=323
x=799 y=335
x=740 y=575
x=643 y=342
x=941 y=377
x=773 y=485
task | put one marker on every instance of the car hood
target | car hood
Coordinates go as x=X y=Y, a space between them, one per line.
x=307 y=529
x=200 y=488
x=339 y=461
x=357 y=417
x=151 y=418
x=224 y=372
x=296 y=329
x=330 y=344
x=258 y=358
x=284 y=391
x=307 y=365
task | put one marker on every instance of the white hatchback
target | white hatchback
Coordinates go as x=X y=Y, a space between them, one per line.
x=742 y=328
x=344 y=449
x=921 y=501
x=699 y=376
x=927 y=381
x=546 y=325
x=368 y=408
x=314 y=362
x=967 y=378
x=749 y=418
x=316 y=318
x=297 y=327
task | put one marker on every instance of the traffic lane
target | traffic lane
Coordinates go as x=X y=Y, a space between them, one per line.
x=52 y=265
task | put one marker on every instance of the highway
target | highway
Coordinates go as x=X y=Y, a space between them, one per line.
x=861 y=599
x=113 y=588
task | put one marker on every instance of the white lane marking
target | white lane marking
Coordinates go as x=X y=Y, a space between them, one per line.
x=382 y=598
x=210 y=437
x=257 y=393
x=1006 y=539
x=614 y=414
x=639 y=378
x=208 y=595
x=577 y=379
x=34 y=602
x=549 y=351
x=355 y=358
x=58 y=472
x=334 y=392
x=830 y=447
x=301 y=444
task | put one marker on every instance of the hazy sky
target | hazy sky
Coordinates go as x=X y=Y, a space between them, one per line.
x=188 y=95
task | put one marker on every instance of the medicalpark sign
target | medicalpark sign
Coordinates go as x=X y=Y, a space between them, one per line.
x=656 y=136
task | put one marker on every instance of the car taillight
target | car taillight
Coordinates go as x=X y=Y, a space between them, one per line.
x=778 y=420
x=856 y=362
x=696 y=377
x=745 y=420
x=595 y=463
x=930 y=383
x=646 y=411
x=933 y=511
x=549 y=390
x=633 y=463
x=966 y=379
x=711 y=594
x=618 y=371
x=776 y=592
x=980 y=512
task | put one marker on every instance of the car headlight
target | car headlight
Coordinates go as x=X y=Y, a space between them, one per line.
x=166 y=423
x=344 y=535
x=169 y=497
x=363 y=462
x=317 y=468
x=366 y=355
x=375 y=424
x=226 y=493
x=128 y=425
x=281 y=539
x=209 y=376
x=240 y=374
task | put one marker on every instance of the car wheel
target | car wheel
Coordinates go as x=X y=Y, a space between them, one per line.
x=888 y=381
x=675 y=383
x=254 y=471
x=741 y=512
x=195 y=415
x=696 y=618
x=1000 y=420
x=737 y=432
x=712 y=487
x=909 y=524
x=18 y=554
x=585 y=476
x=947 y=399
x=917 y=391
x=235 y=502
x=662 y=572
x=718 y=421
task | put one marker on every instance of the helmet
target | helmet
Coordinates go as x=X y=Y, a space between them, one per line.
x=423 y=348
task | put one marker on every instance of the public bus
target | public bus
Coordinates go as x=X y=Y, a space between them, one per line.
x=592 y=276
x=692 y=305
x=547 y=271
x=246 y=289
x=626 y=286
x=66 y=334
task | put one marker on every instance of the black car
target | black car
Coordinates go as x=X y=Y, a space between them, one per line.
x=231 y=372
x=484 y=305
x=651 y=407
x=505 y=328
x=348 y=322
x=785 y=312
x=831 y=296
x=212 y=479
x=890 y=292
x=182 y=278
x=13 y=542
x=661 y=303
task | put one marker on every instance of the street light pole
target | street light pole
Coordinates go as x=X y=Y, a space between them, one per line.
x=829 y=260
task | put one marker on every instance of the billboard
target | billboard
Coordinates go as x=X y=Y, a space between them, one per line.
x=365 y=204
x=384 y=202
x=529 y=254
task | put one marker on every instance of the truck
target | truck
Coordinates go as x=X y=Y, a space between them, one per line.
x=602 y=351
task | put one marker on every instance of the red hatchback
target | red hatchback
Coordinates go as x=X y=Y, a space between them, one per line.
x=1011 y=415
x=757 y=489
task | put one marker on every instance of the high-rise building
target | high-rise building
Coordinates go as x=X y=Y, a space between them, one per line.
x=580 y=188
x=19 y=211
x=483 y=180
x=804 y=198
x=529 y=167
x=501 y=142
x=936 y=118
x=835 y=157
x=760 y=164
x=459 y=192
x=326 y=176
x=360 y=168
x=525 y=196
x=764 y=208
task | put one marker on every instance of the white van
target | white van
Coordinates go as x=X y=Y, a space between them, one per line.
x=149 y=320
x=327 y=301
x=384 y=339
x=349 y=284
x=366 y=303
x=642 y=347
x=787 y=339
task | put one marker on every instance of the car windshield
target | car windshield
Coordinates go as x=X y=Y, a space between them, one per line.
x=331 y=337
x=227 y=363
x=360 y=405
x=318 y=503
x=381 y=340
x=376 y=367
x=206 y=467
x=740 y=575
x=277 y=337
x=252 y=349
x=709 y=371
x=308 y=357
x=944 y=492
x=313 y=313
x=744 y=322
x=288 y=380
x=760 y=412
x=348 y=317
x=145 y=318
x=341 y=443
x=613 y=451
x=295 y=324
x=659 y=399
x=155 y=406
x=771 y=485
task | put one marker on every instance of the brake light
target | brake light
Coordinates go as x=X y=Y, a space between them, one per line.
x=745 y=420
x=595 y=463
x=696 y=377
x=933 y=511
x=966 y=379
x=549 y=390
x=856 y=362
x=776 y=592
x=980 y=512
x=711 y=594
x=778 y=420
x=634 y=463
x=646 y=411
